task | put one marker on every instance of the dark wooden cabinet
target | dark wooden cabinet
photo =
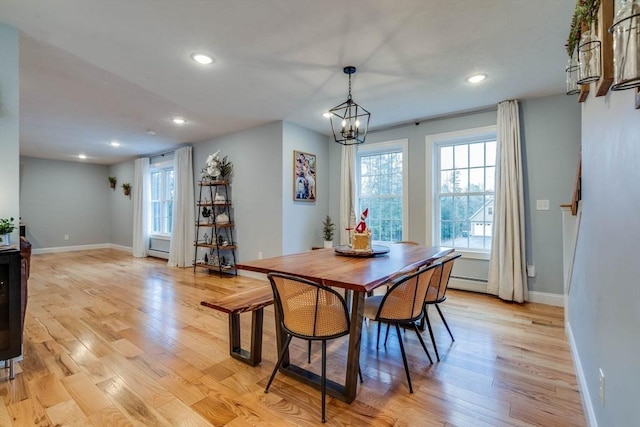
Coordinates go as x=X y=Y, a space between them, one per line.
x=10 y=307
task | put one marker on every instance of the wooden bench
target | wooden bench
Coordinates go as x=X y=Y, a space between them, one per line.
x=254 y=301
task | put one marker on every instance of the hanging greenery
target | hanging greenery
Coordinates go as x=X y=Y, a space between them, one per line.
x=586 y=12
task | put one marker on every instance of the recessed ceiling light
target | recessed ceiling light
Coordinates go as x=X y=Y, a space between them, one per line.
x=201 y=58
x=115 y=143
x=476 y=78
x=326 y=114
x=178 y=120
x=151 y=132
x=82 y=156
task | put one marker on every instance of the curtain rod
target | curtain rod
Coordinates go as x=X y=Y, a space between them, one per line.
x=417 y=122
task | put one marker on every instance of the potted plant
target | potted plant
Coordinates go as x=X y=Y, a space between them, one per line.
x=226 y=168
x=6 y=228
x=327 y=232
x=126 y=188
x=112 y=182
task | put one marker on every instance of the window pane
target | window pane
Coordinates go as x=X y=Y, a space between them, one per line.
x=491 y=153
x=156 y=214
x=476 y=180
x=491 y=179
x=169 y=185
x=461 y=177
x=446 y=181
x=446 y=157
x=461 y=156
x=476 y=154
x=156 y=182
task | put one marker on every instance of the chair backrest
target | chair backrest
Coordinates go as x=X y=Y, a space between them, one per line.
x=440 y=281
x=404 y=301
x=309 y=309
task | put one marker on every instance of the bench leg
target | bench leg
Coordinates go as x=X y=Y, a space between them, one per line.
x=254 y=355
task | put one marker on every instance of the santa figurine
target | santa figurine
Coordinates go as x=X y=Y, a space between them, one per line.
x=362 y=225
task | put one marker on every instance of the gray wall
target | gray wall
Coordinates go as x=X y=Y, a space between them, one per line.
x=551 y=134
x=256 y=190
x=121 y=206
x=604 y=299
x=551 y=139
x=59 y=197
x=9 y=125
x=302 y=221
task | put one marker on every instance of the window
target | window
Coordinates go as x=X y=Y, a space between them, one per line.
x=464 y=189
x=162 y=188
x=381 y=177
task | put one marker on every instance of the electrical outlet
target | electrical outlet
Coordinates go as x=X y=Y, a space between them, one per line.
x=531 y=270
x=66 y=237
x=601 y=386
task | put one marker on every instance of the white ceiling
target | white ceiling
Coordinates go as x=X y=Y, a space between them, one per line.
x=92 y=70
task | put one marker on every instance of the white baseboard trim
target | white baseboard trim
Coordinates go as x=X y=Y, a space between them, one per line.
x=556 y=300
x=481 y=287
x=582 y=381
x=81 y=248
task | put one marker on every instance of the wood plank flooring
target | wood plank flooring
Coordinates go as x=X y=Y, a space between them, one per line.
x=111 y=340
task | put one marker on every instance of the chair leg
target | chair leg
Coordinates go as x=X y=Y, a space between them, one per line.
x=324 y=378
x=445 y=322
x=280 y=357
x=415 y=328
x=404 y=358
x=433 y=340
x=309 y=352
x=386 y=337
x=360 y=374
x=378 y=339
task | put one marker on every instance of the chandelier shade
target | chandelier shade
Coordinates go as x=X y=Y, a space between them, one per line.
x=349 y=121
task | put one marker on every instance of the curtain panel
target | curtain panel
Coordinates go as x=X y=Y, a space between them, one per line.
x=181 y=249
x=141 y=196
x=507 y=267
x=347 y=191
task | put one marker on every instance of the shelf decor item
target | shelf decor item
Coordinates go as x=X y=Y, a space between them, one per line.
x=126 y=188
x=589 y=69
x=626 y=45
x=572 y=76
x=112 y=182
x=6 y=228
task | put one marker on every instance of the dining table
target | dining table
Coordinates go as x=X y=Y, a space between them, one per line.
x=356 y=273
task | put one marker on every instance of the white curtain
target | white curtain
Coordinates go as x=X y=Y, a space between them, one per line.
x=507 y=268
x=181 y=249
x=347 y=190
x=141 y=191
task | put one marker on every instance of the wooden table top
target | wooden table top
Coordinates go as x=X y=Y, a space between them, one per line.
x=355 y=273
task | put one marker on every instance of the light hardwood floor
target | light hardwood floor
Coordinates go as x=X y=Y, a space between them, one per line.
x=111 y=340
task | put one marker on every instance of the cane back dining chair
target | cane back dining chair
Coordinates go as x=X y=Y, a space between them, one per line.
x=310 y=311
x=437 y=293
x=403 y=304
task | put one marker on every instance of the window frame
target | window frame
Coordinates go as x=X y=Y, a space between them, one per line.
x=398 y=145
x=433 y=143
x=163 y=167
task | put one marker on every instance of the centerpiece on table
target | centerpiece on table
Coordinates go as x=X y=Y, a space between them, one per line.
x=361 y=238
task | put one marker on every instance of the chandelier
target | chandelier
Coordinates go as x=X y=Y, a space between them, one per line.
x=349 y=121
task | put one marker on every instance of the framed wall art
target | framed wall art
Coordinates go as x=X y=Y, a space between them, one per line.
x=304 y=177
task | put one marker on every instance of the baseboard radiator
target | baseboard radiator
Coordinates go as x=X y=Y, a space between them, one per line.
x=468 y=284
